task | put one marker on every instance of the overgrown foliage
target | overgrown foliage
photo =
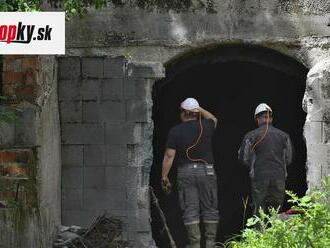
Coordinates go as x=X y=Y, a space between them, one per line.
x=79 y=7
x=308 y=229
x=71 y=7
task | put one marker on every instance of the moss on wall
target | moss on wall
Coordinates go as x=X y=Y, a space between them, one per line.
x=176 y=5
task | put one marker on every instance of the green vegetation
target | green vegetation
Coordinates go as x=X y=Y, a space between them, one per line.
x=308 y=229
x=71 y=7
x=79 y=7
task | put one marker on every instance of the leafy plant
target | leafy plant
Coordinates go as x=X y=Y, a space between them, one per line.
x=309 y=228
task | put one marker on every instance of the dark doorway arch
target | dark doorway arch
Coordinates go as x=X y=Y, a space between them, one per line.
x=229 y=81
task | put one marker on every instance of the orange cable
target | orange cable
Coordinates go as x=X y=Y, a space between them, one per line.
x=264 y=135
x=195 y=143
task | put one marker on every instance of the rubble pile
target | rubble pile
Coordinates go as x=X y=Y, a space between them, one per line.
x=105 y=232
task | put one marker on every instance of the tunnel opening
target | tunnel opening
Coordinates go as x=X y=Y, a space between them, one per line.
x=230 y=82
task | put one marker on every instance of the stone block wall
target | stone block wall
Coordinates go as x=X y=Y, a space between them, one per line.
x=106 y=132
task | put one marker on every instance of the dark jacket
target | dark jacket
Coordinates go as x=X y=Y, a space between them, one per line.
x=271 y=156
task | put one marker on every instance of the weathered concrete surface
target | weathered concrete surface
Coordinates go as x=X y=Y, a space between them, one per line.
x=317 y=106
x=49 y=157
x=295 y=28
x=104 y=138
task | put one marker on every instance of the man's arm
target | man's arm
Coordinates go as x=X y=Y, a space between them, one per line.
x=288 y=151
x=168 y=162
x=207 y=115
x=244 y=152
x=167 y=165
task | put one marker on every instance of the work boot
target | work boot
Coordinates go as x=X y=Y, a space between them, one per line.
x=210 y=234
x=194 y=235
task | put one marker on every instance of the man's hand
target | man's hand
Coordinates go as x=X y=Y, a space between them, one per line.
x=207 y=115
x=166 y=185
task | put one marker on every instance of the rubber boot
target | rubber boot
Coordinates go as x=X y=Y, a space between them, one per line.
x=210 y=234
x=194 y=235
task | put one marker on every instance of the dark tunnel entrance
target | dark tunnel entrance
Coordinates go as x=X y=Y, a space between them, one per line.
x=230 y=82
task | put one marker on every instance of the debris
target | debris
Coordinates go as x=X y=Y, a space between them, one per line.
x=105 y=232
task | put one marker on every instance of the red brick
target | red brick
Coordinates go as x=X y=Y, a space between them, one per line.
x=7 y=156
x=13 y=77
x=25 y=91
x=30 y=77
x=30 y=63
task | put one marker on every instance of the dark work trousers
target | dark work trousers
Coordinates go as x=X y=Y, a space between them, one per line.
x=267 y=191
x=197 y=186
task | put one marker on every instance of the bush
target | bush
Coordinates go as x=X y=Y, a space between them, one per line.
x=309 y=228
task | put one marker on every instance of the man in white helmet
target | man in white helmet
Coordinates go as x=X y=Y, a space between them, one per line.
x=190 y=143
x=267 y=151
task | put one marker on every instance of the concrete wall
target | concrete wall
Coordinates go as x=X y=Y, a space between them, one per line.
x=317 y=105
x=299 y=29
x=105 y=111
x=296 y=28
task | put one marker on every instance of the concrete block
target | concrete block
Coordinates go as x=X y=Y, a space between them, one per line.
x=326 y=132
x=91 y=89
x=69 y=67
x=94 y=178
x=94 y=155
x=71 y=199
x=318 y=153
x=146 y=70
x=123 y=133
x=143 y=220
x=71 y=111
x=132 y=198
x=115 y=176
x=7 y=134
x=25 y=134
x=105 y=155
x=82 y=134
x=83 y=218
x=138 y=111
x=114 y=198
x=325 y=170
x=103 y=111
x=92 y=67
x=72 y=178
x=69 y=90
x=137 y=88
x=114 y=67
x=116 y=155
x=112 y=89
x=314 y=175
x=313 y=132
x=72 y=155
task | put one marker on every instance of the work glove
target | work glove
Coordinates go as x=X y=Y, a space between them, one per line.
x=166 y=185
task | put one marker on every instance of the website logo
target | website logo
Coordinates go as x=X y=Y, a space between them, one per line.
x=32 y=33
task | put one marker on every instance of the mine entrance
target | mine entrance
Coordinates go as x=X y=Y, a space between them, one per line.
x=230 y=82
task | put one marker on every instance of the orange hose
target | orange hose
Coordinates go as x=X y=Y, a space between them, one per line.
x=195 y=143
x=264 y=135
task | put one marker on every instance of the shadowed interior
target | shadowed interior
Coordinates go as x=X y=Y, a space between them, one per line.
x=230 y=82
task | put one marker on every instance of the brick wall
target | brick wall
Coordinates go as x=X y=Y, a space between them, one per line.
x=20 y=77
x=105 y=112
x=34 y=133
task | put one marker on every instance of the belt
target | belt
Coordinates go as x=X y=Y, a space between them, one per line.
x=197 y=165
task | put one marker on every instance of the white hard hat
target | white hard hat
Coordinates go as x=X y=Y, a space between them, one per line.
x=262 y=107
x=190 y=104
